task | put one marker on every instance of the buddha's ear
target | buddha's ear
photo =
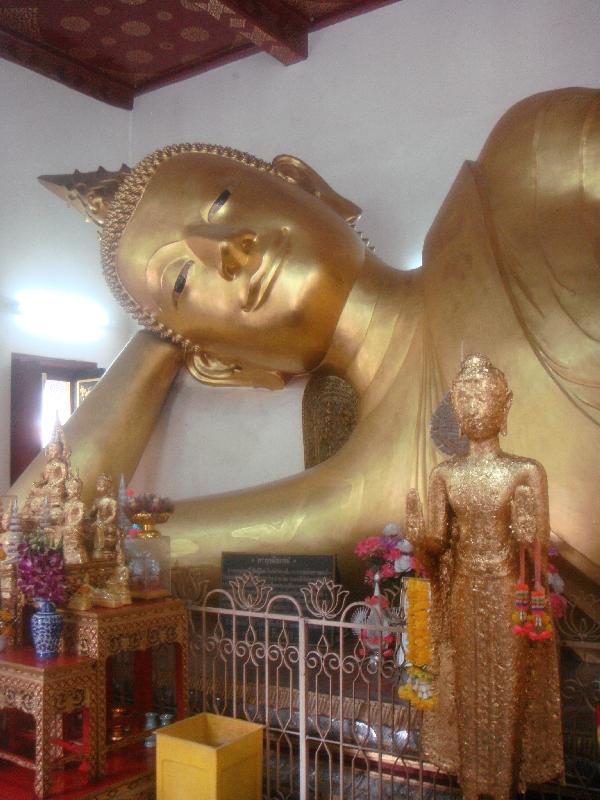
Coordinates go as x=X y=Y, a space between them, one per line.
x=304 y=176
x=209 y=369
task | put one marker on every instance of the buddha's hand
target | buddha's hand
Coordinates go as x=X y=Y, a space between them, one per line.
x=414 y=525
x=523 y=515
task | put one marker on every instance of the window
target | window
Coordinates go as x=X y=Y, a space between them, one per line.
x=39 y=388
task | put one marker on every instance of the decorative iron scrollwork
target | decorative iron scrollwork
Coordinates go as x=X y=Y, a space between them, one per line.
x=324 y=598
x=250 y=592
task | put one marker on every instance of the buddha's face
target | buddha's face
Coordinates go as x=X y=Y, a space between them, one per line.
x=55 y=450
x=73 y=487
x=103 y=485
x=481 y=406
x=242 y=263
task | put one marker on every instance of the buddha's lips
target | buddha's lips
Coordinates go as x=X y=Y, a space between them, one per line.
x=263 y=277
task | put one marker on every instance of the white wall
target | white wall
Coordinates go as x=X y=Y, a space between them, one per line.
x=387 y=107
x=46 y=128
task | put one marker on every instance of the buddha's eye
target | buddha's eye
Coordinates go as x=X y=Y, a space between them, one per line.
x=218 y=204
x=181 y=279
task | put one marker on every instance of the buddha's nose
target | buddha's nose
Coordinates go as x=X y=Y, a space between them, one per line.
x=235 y=248
x=236 y=253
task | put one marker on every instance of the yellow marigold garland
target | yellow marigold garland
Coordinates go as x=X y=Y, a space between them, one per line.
x=419 y=688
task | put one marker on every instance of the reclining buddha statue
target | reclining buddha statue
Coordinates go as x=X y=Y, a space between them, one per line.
x=250 y=273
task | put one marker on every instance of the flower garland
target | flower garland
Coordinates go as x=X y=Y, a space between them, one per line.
x=532 y=618
x=418 y=690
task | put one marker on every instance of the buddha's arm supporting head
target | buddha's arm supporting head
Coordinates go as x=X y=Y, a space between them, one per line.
x=244 y=264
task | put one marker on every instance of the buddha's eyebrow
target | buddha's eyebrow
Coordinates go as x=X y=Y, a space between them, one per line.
x=218 y=204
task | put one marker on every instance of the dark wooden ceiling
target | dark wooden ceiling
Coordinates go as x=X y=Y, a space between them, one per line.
x=114 y=50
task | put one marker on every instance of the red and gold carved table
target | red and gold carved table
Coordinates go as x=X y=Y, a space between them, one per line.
x=101 y=633
x=48 y=689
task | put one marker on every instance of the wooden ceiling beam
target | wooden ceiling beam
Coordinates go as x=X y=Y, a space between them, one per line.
x=269 y=25
x=64 y=70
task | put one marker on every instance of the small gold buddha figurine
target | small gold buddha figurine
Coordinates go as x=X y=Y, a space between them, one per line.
x=72 y=528
x=82 y=599
x=50 y=487
x=116 y=592
x=103 y=516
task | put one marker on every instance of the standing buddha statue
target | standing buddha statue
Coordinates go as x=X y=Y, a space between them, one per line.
x=103 y=517
x=496 y=722
x=73 y=522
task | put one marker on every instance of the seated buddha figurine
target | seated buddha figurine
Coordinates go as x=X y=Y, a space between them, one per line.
x=49 y=490
x=103 y=518
x=72 y=527
x=251 y=273
x=82 y=597
x=496 y=722
x=115 y=593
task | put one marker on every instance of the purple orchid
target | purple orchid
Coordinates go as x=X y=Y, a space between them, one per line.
x=41 y=571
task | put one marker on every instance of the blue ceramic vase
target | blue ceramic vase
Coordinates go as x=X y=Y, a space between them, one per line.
x=46 y=628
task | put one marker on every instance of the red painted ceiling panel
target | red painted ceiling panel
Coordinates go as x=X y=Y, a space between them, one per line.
x=113 y=49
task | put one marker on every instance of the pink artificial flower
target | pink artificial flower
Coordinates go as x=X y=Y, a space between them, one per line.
x=367 y=547
x=387 y=571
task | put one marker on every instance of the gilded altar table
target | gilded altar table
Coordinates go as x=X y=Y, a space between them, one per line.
x=47 y=690
x=101 y=633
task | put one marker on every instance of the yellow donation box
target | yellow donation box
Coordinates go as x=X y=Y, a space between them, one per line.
x=209 y=757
